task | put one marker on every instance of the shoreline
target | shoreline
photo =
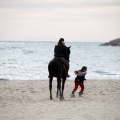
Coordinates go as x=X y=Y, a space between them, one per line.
x=29 y=100
x=54 y=79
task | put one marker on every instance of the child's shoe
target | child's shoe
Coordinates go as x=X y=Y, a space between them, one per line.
x=80 y=93
x=72 y=94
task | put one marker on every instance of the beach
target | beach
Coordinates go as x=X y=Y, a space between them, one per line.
x=29 y=100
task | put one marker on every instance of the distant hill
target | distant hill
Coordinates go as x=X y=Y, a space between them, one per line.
x=115 y=42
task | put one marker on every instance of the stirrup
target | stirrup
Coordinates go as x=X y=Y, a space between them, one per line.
x=67 y=75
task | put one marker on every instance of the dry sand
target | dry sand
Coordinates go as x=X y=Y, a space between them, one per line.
x=29 y=100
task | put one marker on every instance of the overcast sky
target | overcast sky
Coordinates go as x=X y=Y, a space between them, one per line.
x=48 y=20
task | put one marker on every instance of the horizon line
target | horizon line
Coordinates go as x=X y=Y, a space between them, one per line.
x=45 y=41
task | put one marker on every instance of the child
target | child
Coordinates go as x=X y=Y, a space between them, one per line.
x=79 y=80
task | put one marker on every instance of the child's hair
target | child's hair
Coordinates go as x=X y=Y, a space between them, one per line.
x=83 y=68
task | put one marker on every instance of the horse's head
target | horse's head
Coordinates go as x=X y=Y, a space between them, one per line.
x=68 y=53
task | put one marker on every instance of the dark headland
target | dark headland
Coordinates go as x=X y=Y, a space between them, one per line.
x=115 y=42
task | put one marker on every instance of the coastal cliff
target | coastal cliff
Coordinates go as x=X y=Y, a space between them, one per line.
x=115 y=42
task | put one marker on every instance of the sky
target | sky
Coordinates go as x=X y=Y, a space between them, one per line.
x=49 y=20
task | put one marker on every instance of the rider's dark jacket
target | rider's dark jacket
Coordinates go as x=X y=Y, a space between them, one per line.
x=60 y=51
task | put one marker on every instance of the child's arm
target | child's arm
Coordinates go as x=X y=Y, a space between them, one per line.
x=84 y=78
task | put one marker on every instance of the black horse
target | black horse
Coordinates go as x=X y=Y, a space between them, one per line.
x=57 y=69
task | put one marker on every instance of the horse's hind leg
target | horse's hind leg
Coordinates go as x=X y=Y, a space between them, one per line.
x=57 y=93
x=59 y=87
x=63 y=84
x=50 y=87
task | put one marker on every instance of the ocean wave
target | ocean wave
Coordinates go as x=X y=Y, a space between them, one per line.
x=29 y=60
x=104 y=73
x=28 y=52
x=3 y=79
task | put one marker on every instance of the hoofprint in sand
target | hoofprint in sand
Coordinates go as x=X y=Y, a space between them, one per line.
x=29 y=100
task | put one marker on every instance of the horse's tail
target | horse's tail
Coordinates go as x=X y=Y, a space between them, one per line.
x=50 y=67
x=54 y=67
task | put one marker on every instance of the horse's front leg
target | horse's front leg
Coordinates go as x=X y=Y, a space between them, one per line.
x=50 y=87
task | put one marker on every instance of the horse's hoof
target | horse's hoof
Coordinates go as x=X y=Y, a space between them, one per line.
x=61 y=98
x=51 y=98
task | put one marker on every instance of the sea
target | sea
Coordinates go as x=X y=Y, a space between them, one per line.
x=29 y=60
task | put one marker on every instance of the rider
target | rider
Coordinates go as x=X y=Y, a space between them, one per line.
x=60 y=51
